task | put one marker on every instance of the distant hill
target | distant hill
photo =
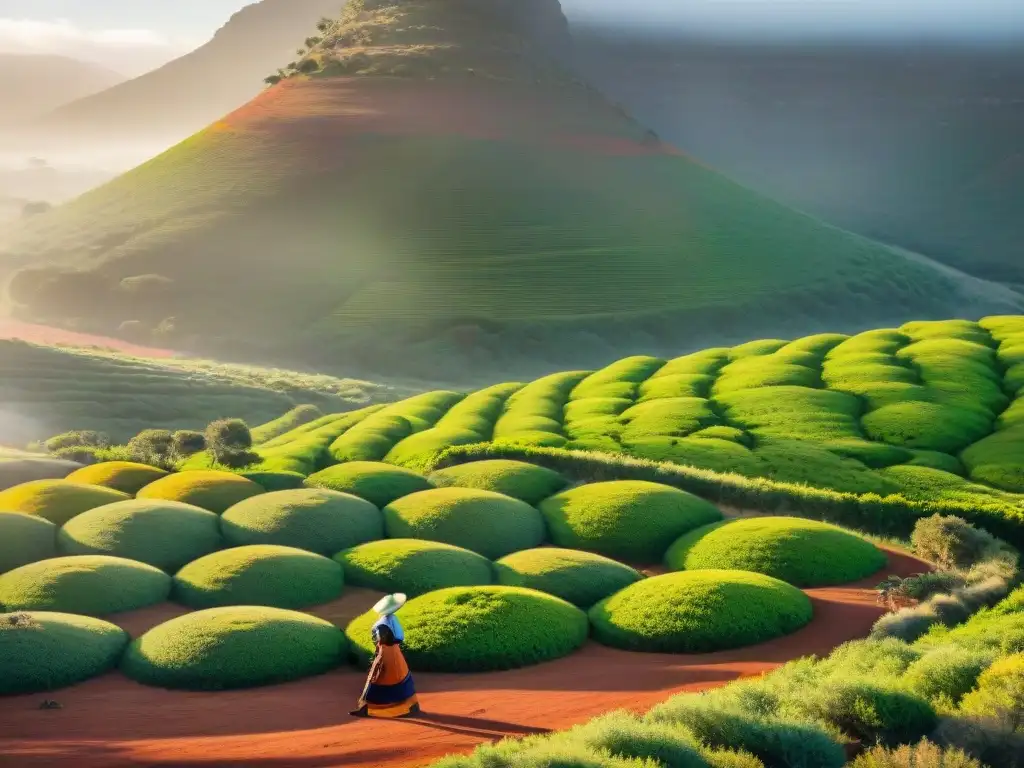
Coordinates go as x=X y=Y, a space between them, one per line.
x=31 y=85
x=922 y=146
x=187 y=93
x=428 y=184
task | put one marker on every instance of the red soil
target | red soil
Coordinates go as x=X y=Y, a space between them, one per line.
x=326 y=109
x=42 y=334
x=112 y=721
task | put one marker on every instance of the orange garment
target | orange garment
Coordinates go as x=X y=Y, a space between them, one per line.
x=389 y=688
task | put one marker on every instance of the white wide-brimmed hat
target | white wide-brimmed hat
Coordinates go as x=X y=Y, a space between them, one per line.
x=390 y=604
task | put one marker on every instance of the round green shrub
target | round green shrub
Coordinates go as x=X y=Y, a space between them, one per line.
x=93 y=585
x=25 y=539
x=125 y=476
x=479 y=629
x=805 y=553
x=164 y=534
x=45 y=651
x=378 y=483
x=234 y=647
x=314 y=519
x=581 y=578
x=276 y=481
x=203 y=488
x=57 y=500
x=629 y=520
x=413 y=566
x=484 y=522
x=279 y=577
x=699 y=611
x=927 y=426
x=526 y=482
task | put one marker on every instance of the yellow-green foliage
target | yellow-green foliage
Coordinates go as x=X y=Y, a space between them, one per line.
x=207 y=489
x=164 y=534
x=93 y=585
x=921 y=755
x=805 y=553
x=793 y=412
x=699 y=611
x=618 y=379
x=45 y=651
x=581 y=578
x=234 y=647
x=628 y=520
x=280 y=577
x=526 y=482
x=534 y=414
x=1000 y=692
x=307 y=448
x=296 y=417
x=673 y=416
x=378 y=483
x=56 y=500
x=478 y=629
x=25 y=539
x=676 y=385
x=313 y=519
x=704 y=363
x=125 y=476
x=998 y=460
x=413 y=566
x=484 y=522
x=375 y=436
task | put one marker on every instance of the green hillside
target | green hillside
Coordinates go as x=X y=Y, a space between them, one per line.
x=428 y=172
x=45 y=390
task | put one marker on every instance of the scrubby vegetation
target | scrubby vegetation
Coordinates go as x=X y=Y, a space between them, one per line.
x=628 y=520
x=581 y=578
x=43 y=651
x=57 y=500
x=237 y=647
x=412 y=566
x=279 y=577
x=378 y=483
x=699 y=611
x=484 y=522
x=804 y=553
x=164 y=534
x=477 y=629
x=316 y=520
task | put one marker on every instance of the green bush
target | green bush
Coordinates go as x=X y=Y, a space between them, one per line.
x=929 y=426
x=1000 y=693
x=164 y=534
x=526 y=482
x=25 y=539
x=235 y=647
x=946 y=673
x=153 y=447
x=924 y=754
x=699 y=611
x=93 y=585
x=82 y=438
x=45 y=651
x=628 y=520
x=805 y=553
x=412 y=566
x=623 y=734
x=378 y=483
x=211 y=490
x=581 y=578
x=937 y=460
x=186 y=443
x=314 y=519
x=872 y=713
x=484 y=522
x=479 y=629
x=276 y=481
x=279 y=577
x=951 y=542
x=229 y=442
x=57 y=500
x=125 y=476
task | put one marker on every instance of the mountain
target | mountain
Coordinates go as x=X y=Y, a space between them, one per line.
x=917 y=145
x=31 y=85
x=187 y=93
x=430 y=184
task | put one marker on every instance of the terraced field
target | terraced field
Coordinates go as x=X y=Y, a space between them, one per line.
x=46 y=390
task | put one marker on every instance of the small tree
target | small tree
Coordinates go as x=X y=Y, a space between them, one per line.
x=154 y=447
x=187 y=443
x=83 y=438
x=229 y=442
x=952 y=542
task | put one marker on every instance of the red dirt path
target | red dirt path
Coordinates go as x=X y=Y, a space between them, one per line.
x=111 y=721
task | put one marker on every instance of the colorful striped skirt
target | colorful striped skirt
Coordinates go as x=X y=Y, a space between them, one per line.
x=390 y=691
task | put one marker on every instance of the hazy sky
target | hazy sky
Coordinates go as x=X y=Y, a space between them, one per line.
x=136 y=34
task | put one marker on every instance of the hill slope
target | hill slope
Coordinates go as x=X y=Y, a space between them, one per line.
x=439 y=179
x=921 y=146
x=182 y=96
x=31 y=85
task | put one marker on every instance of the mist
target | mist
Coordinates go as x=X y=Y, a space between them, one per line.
x=788 y=20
